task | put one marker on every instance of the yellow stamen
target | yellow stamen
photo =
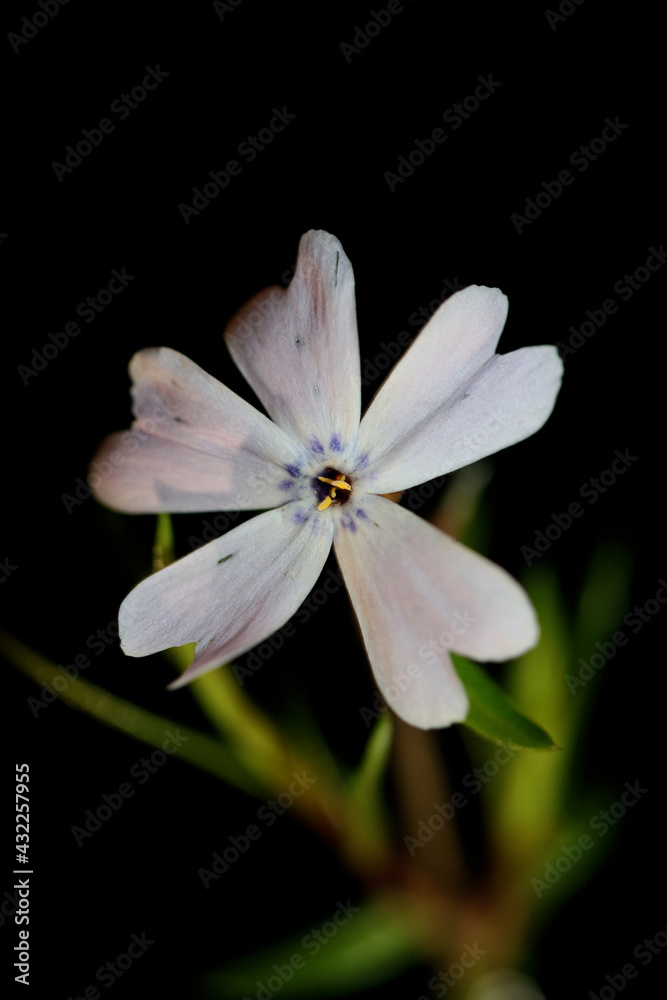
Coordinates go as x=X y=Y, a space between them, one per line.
x=339 y=483
x=325 y=503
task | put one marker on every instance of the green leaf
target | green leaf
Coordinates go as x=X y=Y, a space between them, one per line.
x=342 y=951
x=251 y=735
x=604 y=598
x=525 y=824
x=197 y=748
x=553 y=894
x=493 y=715
x=254 y=739
x=370 y=831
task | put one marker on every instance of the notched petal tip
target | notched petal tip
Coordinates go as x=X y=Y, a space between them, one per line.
x=524 y=633
x=298 y=347
x=425 y=711
x=418 y=595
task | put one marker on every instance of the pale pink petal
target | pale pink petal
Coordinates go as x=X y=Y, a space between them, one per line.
x=230 y=594
x=451 y=401
x=195 y=446
x=299 y=350
x=419 y=594
x=506 y=401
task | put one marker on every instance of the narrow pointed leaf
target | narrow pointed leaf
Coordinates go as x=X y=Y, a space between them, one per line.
x=604 y=598
x=493 y=715
x=375 y=944
x=198 y=749
x=366 y=798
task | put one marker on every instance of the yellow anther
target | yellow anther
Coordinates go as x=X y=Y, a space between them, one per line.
x=325 y=503
x=338 y=483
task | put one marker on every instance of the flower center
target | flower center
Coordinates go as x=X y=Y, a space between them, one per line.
x=332 y=488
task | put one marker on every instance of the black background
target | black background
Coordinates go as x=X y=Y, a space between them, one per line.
x=355 y=114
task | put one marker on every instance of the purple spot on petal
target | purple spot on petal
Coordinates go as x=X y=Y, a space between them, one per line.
x=286 y=485
x=363 y=461
x=349 y=523
x=299 y=517
x=335 y=443
x=293 y=471
x=316 y=446
x=361 y=514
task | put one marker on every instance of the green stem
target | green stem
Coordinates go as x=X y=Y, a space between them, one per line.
x=197 y=748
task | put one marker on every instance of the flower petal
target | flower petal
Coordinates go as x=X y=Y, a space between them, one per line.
x=298 y=347
x=195 y=445
x=451 y=401
x=417 y=594
x=230 y=594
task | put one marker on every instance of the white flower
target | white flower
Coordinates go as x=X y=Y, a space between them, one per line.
x=321 y=469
